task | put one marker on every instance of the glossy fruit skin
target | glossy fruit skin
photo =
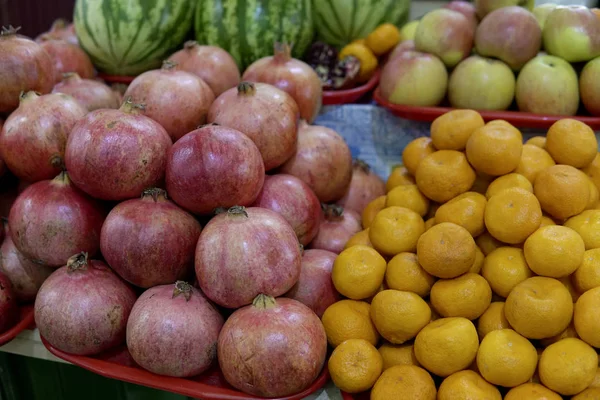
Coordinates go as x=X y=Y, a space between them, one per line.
x=9 y=310
x=91 y=93
x=243 y=252
x=336 y=230
x=60 y=30
x=68 y=57
x=212 y=167
x=150 y=241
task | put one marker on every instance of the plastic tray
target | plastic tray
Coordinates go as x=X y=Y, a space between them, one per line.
x=25 y=321
x=331 y=97
x=517 y=118
x=118 y=364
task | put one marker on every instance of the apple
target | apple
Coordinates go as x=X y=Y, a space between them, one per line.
x=465 y=8
x=402 y=47
x=407 y=32
x=542 y=11
x=481 y=83
x=589 y=86
x=415 y=79
x=596 y=11
x=446 y=33
x=548 y=85
x=572 y=33
x=484 y=7
x=511 y=34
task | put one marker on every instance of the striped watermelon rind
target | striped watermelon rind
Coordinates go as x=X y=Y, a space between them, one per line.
x=339 y=22
x=248 y=29
x=132 y=36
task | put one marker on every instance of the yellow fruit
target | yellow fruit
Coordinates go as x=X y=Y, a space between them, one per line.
x=554 y=251
x=539 y=307
x=399 y=176
x=566 y=281
x=563 y=191
x=571 y=142
x=593 y=170
x=408 y=196
x=371 y=210
x=508 y=181
x=383 y=38
x=591 y=393
x=433 y=207
x=397 y=354
x=531 y=391
x=447 y=345
x=446 y=250
x=443 y=175
x=482 y=182
x=360 y=238
x=467 y=296
x=415 y=152
x=404 y=382
x=399 y=316
x=358 y=272
x=568 y=366
x=512 y=215
x=429 y=223
x=495 y=149
x=405 y=273
x=596 y=381
x=492 y=319
x=538 y=141
x=587 y=225
x=349 y=319
x=487 y=243
x=533 y=160
x=570 y=332
x=586 y=321
x=504 y=268
x=450 y=131
x=368 y=61
x=594 y=197
x=467 y=385
x=355 y=365
x=466 y=210
x=547 y=221
x=587 y=275
x=395 y=230
x=478 y=263
x=506 y=358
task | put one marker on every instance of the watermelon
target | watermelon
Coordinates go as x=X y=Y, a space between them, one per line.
x=128 y=37
x=338 y=22
x=248 y=29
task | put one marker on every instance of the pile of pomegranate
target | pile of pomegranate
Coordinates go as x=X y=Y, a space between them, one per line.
x=195 y=221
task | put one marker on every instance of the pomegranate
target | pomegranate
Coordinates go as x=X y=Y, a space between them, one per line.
x=213 y=167
x=2 y=163
x=293 y=76
x=272 y=348
x=213 y=64
x=150 y=241
x=9 y=310
x=173 y=330
x=68 y=57
x=33 y=139
x=91 y=93
x=338 y=226
x=52 y=219
x=266 y=114
x=116 y=154
x=315 y=288
x=61 y=30
x=323 y=161
x=177 y=100
x=24 y=66
x=365 y=187
x=295 y=201
x=244 y=252
x=83 y=307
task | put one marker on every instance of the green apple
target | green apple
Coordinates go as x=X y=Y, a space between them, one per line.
x=484 y=7
x=548 y=85
x=589 y=86
x=542 y=11
x=407 y=32
x=446 y=33
x=481 y=83
x=415 y=79
x=572 y=33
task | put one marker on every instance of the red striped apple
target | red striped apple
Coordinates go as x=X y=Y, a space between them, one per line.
x=572 y=33
x=589 y=86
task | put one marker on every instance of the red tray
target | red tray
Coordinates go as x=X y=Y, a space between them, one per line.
x=118 y=364
x=116 y=78
x=331 y=97
x=25 y=322
x=517 y=118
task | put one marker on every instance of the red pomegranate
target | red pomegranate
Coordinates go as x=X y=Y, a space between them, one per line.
x=150 y=241
x=337 y=227
x=116 y=154
x=280 y=343
x=213 y=64
x=244 y=252
x=176 y=99
x=68 y=57
x=173 y=330
x=52 y=219
x=83 y=307
x=61 y=30
x=315 y=288
x=24 y=66
x=267 y=115
x=295 y=201
x=323 y=160
x=214 y=167
x=33 y=139
x=9 y=310
x=365 y=187
x=91 y=93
